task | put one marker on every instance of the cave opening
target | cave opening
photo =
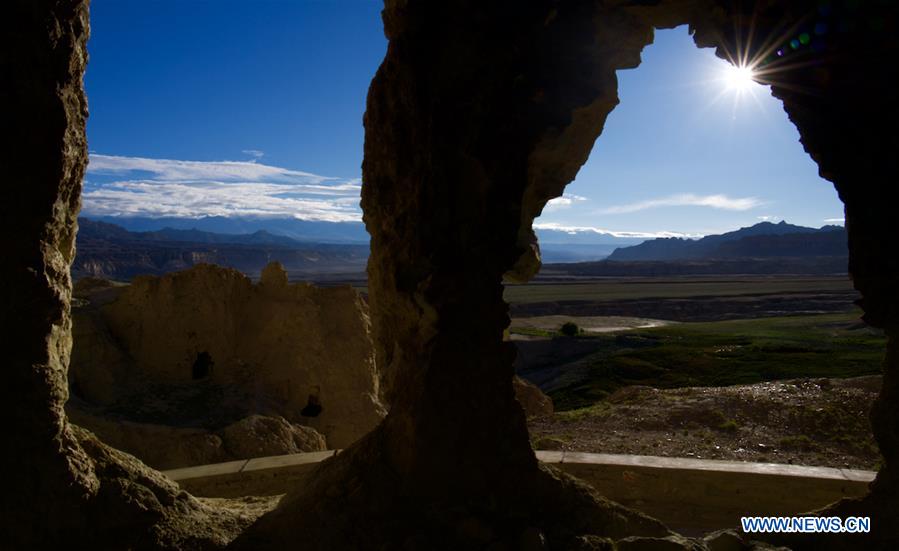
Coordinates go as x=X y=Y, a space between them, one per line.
x=313 y=407
x=202 y=366
x=188 y=313
x=701 y=339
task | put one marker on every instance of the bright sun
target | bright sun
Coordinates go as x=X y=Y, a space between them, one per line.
x=739 y=78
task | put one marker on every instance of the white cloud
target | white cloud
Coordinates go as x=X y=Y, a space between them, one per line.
x=168 y=170
x=587 y=229
x=141 y=186
x=688 y=200
x=564 y=201
x=255 y=153
x=835 y=220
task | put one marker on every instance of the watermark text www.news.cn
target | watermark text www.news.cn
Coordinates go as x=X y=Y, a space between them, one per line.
x=806 y=525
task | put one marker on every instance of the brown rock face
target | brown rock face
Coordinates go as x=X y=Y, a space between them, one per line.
x=259 y=436
x=480 y=113
x=208 y=347
x=168 y=447
x=533 y=401
x=158 y=446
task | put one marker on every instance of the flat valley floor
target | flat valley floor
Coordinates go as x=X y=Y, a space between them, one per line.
x=769 y=369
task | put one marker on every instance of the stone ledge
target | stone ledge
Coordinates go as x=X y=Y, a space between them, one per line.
x=695 y=496
x=207 y=471
x=257 y=476
x=656 y=462
x=692 y=496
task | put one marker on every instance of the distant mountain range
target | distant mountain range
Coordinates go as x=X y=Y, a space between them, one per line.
x=305 y=231
x=575 y=252
x=762 y=249
x=763 y=240
x=579 y=245
x=582 y=244
x=584 y=236
x=102 y=230
x=111 y=251
x=323 y=249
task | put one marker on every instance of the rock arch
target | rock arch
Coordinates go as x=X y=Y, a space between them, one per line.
x=480 y=113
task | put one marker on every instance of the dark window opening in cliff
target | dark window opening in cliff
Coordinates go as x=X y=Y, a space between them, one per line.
x=313 y=407
x=694 y=298
x=202 y=366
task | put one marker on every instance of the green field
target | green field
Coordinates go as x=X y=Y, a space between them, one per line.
x=726 y=353
x=641 y=288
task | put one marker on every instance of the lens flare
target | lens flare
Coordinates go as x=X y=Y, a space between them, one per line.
x=739 y=78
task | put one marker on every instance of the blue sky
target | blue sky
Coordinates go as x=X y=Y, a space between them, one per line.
x=255 y=109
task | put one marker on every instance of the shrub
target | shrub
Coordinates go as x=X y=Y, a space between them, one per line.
x=730 y=426
x=569 y=329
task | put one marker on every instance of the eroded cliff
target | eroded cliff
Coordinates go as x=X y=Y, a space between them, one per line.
x=172 y=368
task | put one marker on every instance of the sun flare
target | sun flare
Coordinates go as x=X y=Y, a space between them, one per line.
x=738 y=78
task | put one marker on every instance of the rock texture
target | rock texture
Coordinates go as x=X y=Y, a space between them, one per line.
x=259 y=436
x=136 y=348
x=168 y=447
x=206 y=347
x=533 y=401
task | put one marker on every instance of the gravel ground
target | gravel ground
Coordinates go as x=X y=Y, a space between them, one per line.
x=821 y=422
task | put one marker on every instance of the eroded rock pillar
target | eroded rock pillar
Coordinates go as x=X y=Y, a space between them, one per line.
x=473 y=106
x=62 y=487
x=480 y=113
x=44 y=110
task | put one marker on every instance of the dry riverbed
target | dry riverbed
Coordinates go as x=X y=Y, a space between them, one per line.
x=587 y=324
